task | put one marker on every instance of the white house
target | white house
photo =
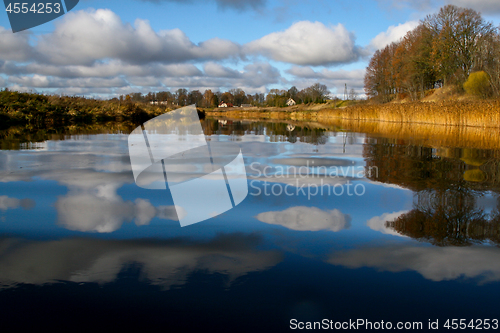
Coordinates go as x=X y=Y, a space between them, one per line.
x=290 y=102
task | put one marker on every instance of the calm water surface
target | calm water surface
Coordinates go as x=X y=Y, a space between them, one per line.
x=337 y=225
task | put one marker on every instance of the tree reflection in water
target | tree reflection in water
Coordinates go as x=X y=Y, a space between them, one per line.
x=448 y=218
x=447 y=183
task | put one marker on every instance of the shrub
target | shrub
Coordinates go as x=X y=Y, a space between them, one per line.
x=478 y=84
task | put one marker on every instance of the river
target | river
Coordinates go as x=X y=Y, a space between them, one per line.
x=339 y=225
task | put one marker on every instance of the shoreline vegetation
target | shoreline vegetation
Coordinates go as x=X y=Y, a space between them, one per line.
x=471 y=113
x=449 y=110
x=452 y=121
x=444 y=72
x=41 y=111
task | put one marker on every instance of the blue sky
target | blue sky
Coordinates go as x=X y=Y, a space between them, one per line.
x=106 y=48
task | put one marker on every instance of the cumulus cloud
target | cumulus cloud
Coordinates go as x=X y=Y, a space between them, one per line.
x=254 y=78
x=392 y=34
x=308 y=43
x=116 y=77
x=164 y=263
x=111 y=68
x=433 y=263
x=95 y=52
x=239 y=5
x=352 y=76
x=83 y=37
x=13 y=203
x=307 y=219
x=41 y=81
x=14 y=46
x=377 y=223
x=217 y=70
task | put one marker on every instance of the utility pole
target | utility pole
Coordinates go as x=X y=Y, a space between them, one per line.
x=345 y=92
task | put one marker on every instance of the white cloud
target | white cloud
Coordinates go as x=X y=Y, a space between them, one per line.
x=377 y=223
x=216 y=70
x=392 y=34
x=95 y=52
x=254 y=78
x=14 y=46
x=109 y=69
x=434 y=263
x=307 y=219
x=326 y=74
x=41 y=81
x=307 y=43
x=83 y=37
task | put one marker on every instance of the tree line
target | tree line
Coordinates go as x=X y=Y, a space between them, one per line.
x=443 y=50
x=317 y=93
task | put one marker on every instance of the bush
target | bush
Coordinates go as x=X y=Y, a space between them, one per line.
x=478 y=84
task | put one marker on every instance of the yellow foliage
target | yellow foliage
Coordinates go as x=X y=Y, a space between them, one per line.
x=474 y=175
x=478 y=84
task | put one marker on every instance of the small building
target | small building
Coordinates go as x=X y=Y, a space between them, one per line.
x=246 y=105
x=223 y=104
x=291 y=102
x=158 y=102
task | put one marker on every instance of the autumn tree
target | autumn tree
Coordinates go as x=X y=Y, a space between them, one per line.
x=209 y=99
x=276 y=97
x=164 y=96
x=239 y=96
x=380 y=76
x=181 y=96
x=227 y=97
x=459 y=34
x=443 y=49
x=292 y=93
x=319 y=92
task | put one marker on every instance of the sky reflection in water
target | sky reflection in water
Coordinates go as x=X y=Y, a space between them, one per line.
x=71 y=213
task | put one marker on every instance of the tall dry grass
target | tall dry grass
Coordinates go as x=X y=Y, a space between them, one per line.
x=453 y=113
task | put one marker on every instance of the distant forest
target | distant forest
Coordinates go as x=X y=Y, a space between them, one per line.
x=317 y=93
x=454 y=47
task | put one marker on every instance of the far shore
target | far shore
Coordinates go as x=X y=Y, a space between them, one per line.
x=473 y=113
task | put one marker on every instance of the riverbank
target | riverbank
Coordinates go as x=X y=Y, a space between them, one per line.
x=47 y=111
x=473 y=113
